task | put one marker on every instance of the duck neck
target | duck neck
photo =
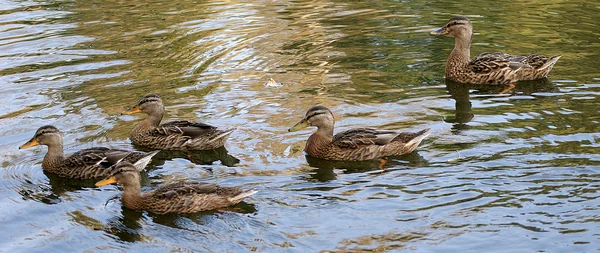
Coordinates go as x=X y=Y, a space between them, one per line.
x=54 y=156
x=152 y=121
x=322 y=137
x=131 y=195
x=155 y=117
x=326 y=131
x=461 y=54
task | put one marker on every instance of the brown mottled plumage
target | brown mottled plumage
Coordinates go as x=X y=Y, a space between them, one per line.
x=488 y=68
x=180 y=197
x=84 y=164
x=174 y=135
x=354 y=144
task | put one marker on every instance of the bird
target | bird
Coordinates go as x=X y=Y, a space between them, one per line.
x=173 y=135
x=96 y=162
x=179 y=198
x=488 y=68
x=356 y=144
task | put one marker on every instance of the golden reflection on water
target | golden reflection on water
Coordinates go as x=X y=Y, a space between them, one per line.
x=512 y=165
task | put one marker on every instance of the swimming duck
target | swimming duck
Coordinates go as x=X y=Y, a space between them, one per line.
x=180 y=197
x=174 y=135
x=355 y=144
x=488 y=68
x=88 y=163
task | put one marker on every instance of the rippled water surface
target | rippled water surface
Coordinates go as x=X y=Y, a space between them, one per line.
x=513 y=172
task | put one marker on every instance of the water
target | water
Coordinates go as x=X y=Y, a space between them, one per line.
x=515 y=172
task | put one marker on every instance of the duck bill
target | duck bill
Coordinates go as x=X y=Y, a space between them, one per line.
x=300 y=125
x=31 y=143
x=110 y=180
x=439 y=32
x=134 y=110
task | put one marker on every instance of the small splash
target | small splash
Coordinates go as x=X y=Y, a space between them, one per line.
x=457 y=159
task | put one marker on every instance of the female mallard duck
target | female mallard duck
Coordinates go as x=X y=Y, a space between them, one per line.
x=174 y=135
x=355 y=144
x=85 y=164
x=488 y=68
x=181 y=197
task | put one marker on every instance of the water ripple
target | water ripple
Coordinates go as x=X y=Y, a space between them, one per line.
x=518 y=169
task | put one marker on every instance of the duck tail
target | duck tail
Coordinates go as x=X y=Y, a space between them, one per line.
x=243 y=195
x=420 y=136
x=223 y=135
x=142 y=162
x=550 y=62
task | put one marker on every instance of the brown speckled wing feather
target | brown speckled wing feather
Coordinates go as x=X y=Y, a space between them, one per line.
x=488 y=62
x=354 y=138
x=114 y=156
x=88 y=157
x=133 y=156
x=181 y=189
x=534 y=60
x=184 y=128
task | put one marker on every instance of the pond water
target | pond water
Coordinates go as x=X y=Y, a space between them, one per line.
x=513 y=172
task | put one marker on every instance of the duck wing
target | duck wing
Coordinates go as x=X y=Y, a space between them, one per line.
x=90 y=157
x=535 y=60
x=182 y=189
x=105 y=157
x=489 y=62
x=357 y=137
x=185 y=128
x=114 y=156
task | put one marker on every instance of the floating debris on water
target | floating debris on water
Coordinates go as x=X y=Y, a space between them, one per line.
x=273 y=84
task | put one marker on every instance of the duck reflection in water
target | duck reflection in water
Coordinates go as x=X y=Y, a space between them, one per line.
x=128 y=225
x=52 y=191
x=461 y=93
x=325 y=168
x=200 y=157
x=49 y=193
x=201 y=218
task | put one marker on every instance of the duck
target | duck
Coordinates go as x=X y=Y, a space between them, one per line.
x=91 y=163
x=172 y=198
x=173 y=135
x=356 y=144
x=488 y=68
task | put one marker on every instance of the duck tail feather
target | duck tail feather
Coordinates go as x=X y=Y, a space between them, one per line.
x=242 y=195
x=142 y=162
x=550 y=62
x=420 y=136
x=225 y=134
